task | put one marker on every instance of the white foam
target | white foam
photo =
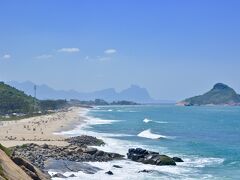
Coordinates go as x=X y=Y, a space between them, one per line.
x=189 y=169
x=130 y=170
x=146 y=120
x=148 y=134
x=161 y=122
x=200 y=162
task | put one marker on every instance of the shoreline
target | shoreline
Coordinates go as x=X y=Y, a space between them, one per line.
x=41 y=129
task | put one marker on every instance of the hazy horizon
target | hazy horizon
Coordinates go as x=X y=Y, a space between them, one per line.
x=174 y=49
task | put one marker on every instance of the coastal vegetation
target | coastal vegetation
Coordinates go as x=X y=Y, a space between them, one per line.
x=15 y=101
x=15 y=104
x=6 y=150
x=101 y=102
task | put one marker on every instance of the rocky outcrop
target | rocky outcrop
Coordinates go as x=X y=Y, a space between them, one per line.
x=84 y=141
x=150 y=157
x=9 y=170
x=77 y=151
x=30 y=169
x=177 y=159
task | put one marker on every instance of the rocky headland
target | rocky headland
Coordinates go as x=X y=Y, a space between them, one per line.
x=35 y=160
x=220 y=94
x=78 y=150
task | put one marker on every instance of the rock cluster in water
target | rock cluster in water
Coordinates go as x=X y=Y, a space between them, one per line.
x=77 y=151
x=150 y=157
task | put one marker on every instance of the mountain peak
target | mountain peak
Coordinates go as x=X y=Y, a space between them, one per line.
x=221 y=86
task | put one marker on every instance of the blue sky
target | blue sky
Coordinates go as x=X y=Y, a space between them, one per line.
x=173 y=48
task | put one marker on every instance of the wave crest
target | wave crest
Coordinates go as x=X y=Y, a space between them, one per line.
x=146 y=120
x=148 y=134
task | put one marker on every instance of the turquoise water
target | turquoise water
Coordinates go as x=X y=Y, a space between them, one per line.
x=207 y=138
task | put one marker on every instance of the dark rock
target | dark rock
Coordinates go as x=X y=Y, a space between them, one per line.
x=99 y=153
x=66 y=166
x=177 y=159
x=72 y=175
x=149 y=157
x=45 y=146
x=90 y=150
x=37 y=155
x=109 y=172
x=117 y=166
x=59 y=175
x=85 y=141
x=144 y=171
x=165 y=160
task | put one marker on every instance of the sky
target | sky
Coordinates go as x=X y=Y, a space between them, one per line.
x=175 y=49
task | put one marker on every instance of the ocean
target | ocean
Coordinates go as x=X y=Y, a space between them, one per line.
x=206 y=138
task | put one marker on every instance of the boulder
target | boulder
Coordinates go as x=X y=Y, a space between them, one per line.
x=109 y=172
x=144 y=171
x=72 y=175
x=90 y=150
x=59 y=175
x=117 y=166
x=177 y=159
x=149 y=157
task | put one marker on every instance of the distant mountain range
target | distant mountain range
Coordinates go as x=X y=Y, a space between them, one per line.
x=133 y=93
x=220 y=94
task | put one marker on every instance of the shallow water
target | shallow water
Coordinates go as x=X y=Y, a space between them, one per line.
x=206 y=138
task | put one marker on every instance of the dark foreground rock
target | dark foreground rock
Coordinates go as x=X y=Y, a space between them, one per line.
x=177 y=159
x=59 y=175
x=145 y=171
x=150 y=157
x=72 y=175
x=77 y=151
x=109 y=172
x=70 y=166
x=117 y=166
x=30 y=169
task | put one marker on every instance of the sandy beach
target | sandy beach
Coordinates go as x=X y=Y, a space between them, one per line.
x=40 y=129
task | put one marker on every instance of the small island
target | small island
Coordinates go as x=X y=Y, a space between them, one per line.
x=220 y=94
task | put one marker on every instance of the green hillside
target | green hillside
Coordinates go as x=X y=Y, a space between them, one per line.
x=220 y=94
x=15 y=101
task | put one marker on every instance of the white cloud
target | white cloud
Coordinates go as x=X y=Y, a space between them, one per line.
x=6 y=56
x=69 y=50
x=44 y=56
x=110 y=51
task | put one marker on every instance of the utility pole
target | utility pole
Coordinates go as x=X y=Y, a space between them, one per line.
x=35 y=91
x=35 y=97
